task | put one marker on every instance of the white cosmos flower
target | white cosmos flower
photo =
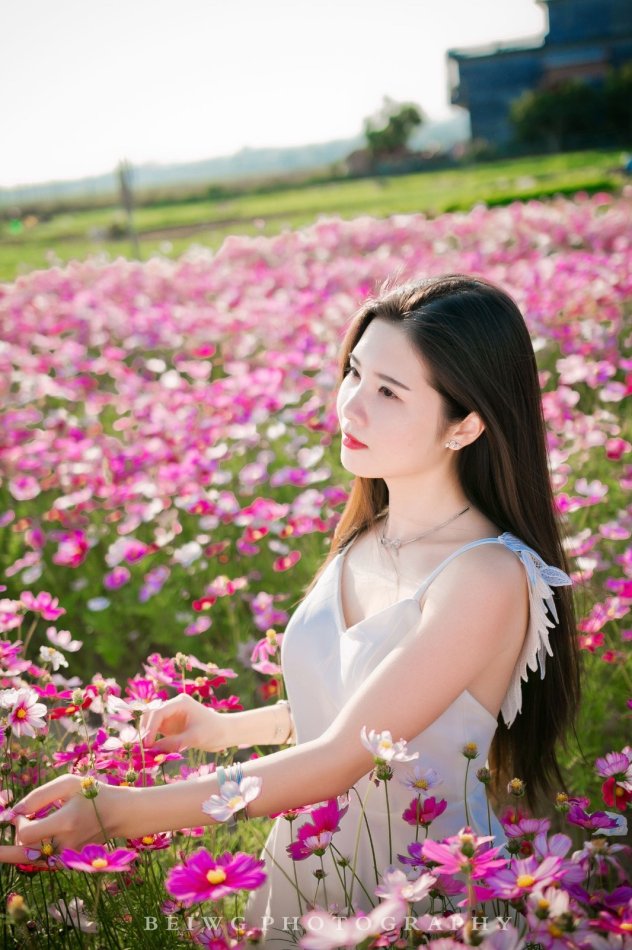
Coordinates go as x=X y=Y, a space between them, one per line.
x=52 y=656
x=420 y=780
x=383 y=748
x=233 y=797
x=396 y=886
x=26 y=714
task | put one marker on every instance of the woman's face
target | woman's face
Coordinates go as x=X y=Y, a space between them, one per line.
x=386 y=403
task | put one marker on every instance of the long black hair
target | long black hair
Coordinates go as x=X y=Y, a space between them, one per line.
x=476 y=346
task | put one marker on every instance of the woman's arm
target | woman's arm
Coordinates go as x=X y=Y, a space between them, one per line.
x=185 y=723
x=457 y=636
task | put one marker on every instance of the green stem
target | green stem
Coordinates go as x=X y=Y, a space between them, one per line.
x=467 y=814
x=388 y=818
x=29 y=635
x=357 y=841
x=322 y=867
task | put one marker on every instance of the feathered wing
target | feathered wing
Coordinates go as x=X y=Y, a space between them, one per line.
x=542 y=577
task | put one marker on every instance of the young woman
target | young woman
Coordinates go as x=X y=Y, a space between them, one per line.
x=438 y=614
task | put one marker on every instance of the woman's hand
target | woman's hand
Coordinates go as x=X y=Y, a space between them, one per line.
x=184 y=723
x=79 y=821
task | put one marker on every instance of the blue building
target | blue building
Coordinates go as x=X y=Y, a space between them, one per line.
x=585 y=39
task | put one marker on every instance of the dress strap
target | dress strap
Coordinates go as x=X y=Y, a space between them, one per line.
x=466 y=547
x=542 y=613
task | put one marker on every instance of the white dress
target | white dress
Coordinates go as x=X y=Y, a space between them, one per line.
x=324 y=663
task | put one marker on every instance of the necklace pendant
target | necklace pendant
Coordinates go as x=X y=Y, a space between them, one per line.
x=395 y=544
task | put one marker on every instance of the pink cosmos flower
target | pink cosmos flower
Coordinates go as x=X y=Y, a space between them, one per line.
x=44 y=604
x=522 y=876
x=618 y=764
x=315 y=836
x=26 y=713
x=424 y=811
x=72 y=914
x=464 y=851
x=62 y=639
x=203 y=877
x=527 y=827
x=10 y=618
x=325 y=932
x=73 y=549
x=286 y=561
x=155 y=842
x=94 y=858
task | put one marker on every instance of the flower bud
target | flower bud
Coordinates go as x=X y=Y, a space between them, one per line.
x=484 y=776
x=470 y=750
x=516 y=787
x=17 y=909
x=89 y=786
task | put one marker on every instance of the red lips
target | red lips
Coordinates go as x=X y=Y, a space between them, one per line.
x=349 y=442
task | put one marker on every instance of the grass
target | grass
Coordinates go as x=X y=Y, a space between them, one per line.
x=170 y=229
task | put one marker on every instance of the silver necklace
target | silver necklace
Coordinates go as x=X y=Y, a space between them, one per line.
x=394 y=544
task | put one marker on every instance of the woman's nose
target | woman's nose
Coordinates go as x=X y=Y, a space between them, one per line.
x=352 y=406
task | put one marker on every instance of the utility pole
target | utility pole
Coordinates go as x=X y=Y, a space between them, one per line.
x=127 y=200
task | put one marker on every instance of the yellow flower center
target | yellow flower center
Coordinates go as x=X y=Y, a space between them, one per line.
x=421 y=783
x=48 y=849
x=235 y=802
x=99 y=863
x=555 y=931
x=148 y=839
x=543 y=904
x=87 y=782
x=626 y=926
x=21 y=713
x=525 y=880
x=216 y=876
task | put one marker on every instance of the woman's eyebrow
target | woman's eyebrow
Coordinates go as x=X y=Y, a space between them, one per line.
x=388 y=379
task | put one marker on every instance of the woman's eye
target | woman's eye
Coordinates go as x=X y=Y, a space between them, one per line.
x=351 y=370
x=388 y=392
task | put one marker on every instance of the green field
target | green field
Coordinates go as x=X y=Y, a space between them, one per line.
x=169 y=228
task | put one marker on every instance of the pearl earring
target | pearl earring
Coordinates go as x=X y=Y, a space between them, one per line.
x=453 y=444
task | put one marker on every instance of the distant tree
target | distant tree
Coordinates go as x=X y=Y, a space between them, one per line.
x=561 y=117
x=576 y=113
x=387 y=131
x=618 y=108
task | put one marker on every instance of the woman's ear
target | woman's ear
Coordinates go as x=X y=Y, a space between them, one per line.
x=469 y=429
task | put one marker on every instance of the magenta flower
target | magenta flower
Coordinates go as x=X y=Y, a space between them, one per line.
x=44 y=604
x=523 y=876
x=95 y=858
x=116 y=578
x=203 y=877
x=464 y=851
x=423 y=811
x=315 y=836
x=592 y=822
x=527 y=828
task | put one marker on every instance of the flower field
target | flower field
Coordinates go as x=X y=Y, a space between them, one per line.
x=169 y=481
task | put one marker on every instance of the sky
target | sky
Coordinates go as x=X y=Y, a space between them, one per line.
x=86 y=83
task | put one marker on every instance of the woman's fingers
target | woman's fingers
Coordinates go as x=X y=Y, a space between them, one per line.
x=177 y=743
x=13 y=854
x=59 y=789
x=32 y=833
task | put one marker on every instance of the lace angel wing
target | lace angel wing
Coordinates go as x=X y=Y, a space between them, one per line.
x=542 y=577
